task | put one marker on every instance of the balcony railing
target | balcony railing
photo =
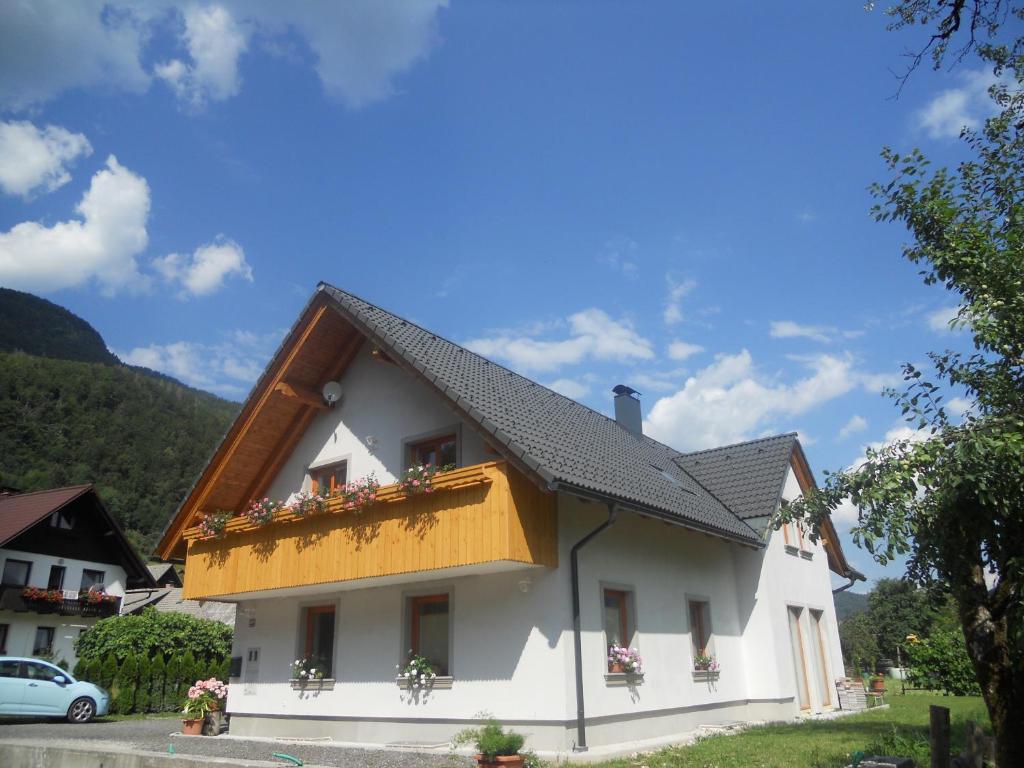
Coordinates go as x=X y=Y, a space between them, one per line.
x=13 y=598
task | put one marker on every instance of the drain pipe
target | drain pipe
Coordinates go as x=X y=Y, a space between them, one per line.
x=581 y=726
x=854 y=576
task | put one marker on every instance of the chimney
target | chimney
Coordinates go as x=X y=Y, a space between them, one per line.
x=627 y=409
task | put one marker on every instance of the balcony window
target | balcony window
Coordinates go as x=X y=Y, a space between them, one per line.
x=439 y=451
x=43 y=645
x=700 y=628
x=429 y=630
x=92 y=580
x=328 y=478
x=16 y=572
x=56 y=580
x=618 y=618
x=318 y=640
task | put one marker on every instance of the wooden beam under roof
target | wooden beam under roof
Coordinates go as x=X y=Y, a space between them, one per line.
x=304 y=395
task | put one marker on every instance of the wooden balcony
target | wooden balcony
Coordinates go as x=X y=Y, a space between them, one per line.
x=483 y=514
x=12 y=599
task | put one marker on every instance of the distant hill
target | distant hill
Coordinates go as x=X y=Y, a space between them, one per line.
x=36 y=326
x=70 y=413
x=849 y=603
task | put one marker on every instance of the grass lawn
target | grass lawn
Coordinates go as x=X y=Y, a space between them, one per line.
x=822 y=744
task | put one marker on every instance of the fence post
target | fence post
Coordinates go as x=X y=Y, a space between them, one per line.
x=939 y=727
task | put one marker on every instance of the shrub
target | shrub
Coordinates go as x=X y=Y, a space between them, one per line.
x=158 y=671
x=189 y=674
x=107 y=672
x=940 y=662
x=144 y=684
x=152 y=632
x=491 y=740
x=172 y=683
x=123 y=694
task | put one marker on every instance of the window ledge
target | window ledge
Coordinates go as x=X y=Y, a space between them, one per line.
x=706 y=675
x=791 y=550
x=623 y=678
x=323 y=684
x=806 y=555
x=441 y=682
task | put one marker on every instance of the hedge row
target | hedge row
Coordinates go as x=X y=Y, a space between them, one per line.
x=142 y=684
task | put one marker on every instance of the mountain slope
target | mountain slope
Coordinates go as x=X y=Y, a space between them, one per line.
x=850 y=603
x=140 y=436
x=39 y=327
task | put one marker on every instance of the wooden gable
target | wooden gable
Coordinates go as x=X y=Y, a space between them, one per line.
x=837 y=562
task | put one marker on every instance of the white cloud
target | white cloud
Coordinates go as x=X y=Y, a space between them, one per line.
x=102 y=245
x=358 y=47
x=674 y=303
x=656 y=381
x=854 y=425
x=593 y=335
x=229 y=367
x=729 y=400
x=570 y=388
x=940 y=319
x=680 y=350
x=36 y=160
x=946 y=115
x=214 y=41
x=787 y=329
x=205 y=271
x=621 y=255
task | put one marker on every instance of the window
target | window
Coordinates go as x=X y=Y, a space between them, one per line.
x=329 y=478
x=318 y=644
x=700 y=628
x=618 y=620
x=9 y=668
x=428 y=630
x=56 y=580
x=796 y=638
x=62 y=519
x=439 y=451
x=36 y=671
x=820 y=657
x=92 y=579
x=3 y=637
x=43 y=645
x=16 y=572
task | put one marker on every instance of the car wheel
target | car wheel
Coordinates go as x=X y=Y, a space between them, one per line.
x=81 y=710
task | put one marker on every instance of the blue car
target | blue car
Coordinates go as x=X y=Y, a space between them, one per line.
x=37 y=688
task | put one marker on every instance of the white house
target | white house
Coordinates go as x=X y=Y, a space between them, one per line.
x=559 y=532
x=66 y=564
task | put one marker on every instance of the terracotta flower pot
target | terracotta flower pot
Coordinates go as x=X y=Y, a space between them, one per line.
x=878 y=684
x=616 y=668
x=504 y=761
x=192 y=727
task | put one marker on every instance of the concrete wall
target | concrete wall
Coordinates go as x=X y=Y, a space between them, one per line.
x=22 y=627
x=381 y=409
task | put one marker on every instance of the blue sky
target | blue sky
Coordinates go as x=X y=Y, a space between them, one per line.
x=671 y=196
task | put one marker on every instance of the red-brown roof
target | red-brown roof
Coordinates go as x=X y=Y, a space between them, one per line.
x=19 y=512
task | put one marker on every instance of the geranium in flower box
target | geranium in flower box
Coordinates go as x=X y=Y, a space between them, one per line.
x=306 y=503
x=262 y=511
x=705 y=662
x=624 y=660
x=417 y=672
x=359 y=494
x=211 y=524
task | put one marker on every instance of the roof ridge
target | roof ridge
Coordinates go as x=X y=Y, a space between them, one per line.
x=79 y=487
x=741 y=442
x=505 y=368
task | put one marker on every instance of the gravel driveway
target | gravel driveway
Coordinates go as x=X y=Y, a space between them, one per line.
x=156 y=734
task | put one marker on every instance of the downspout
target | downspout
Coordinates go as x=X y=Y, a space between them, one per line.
x=581 y=726
x=854 y=576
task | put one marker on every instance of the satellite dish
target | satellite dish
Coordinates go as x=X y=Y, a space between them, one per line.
x=332 y=392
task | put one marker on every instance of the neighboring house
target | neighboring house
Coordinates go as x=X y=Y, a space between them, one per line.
x=66 y=564
x=560 y=532
x=165 y=575
x=170 y=600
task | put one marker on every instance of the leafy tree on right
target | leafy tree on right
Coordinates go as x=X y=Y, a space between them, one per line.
x=952 y=499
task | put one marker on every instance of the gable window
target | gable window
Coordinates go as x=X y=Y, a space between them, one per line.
x=700 y=628
x=439 y=451
x=16 y=572
x=318 y=637
x=429 y=630
x=329 y=478
x=619 y=627
x=94 y=580
x=43 y=645
x=3 y=638
x=62 y=520
x=56 y=580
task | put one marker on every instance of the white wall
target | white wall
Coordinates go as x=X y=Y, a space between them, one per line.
x=22 y=627
x=383 y=402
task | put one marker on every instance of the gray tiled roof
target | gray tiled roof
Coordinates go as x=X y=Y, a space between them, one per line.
x=747 y=477
x=558 y=439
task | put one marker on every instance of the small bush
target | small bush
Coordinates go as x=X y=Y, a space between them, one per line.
x=158 y=672
x=491 y=740
x=124 y=686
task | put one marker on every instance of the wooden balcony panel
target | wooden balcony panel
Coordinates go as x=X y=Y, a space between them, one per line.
x=479 y=514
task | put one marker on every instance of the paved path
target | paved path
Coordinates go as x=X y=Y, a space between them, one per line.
x=157 y=733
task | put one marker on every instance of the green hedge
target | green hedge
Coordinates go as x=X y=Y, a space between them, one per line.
x=143 y=684
x=152 y=632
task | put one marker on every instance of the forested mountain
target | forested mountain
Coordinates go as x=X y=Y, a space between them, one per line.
x=140 y=436
x=850 y=603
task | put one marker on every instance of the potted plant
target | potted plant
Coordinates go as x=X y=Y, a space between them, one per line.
x=418 y=672
x=306 y=503
x=624 y=660
x=705 y=662
x=359 y=494
x=878 y=684
x=198 y=705
x=494 y=745
x=306 y=669
x=262 y=511
x=211 y=524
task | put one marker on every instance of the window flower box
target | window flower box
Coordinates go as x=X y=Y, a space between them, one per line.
x=439 y=682
x=312 y=684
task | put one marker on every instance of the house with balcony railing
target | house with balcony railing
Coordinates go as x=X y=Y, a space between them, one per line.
x=66 y=564
x=414 y=535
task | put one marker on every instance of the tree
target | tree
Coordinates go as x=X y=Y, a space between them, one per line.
x=172 y=684
x=107 y=672
x=142 y=689
x=158 y=672
x=125 y=683
x=860 y=647
x=897 y=608
x=953 y=499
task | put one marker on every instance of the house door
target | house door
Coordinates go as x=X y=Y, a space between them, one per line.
x=822 y=671
x=796 y=636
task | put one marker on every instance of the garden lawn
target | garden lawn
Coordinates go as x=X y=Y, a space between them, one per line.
x=823 y=743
